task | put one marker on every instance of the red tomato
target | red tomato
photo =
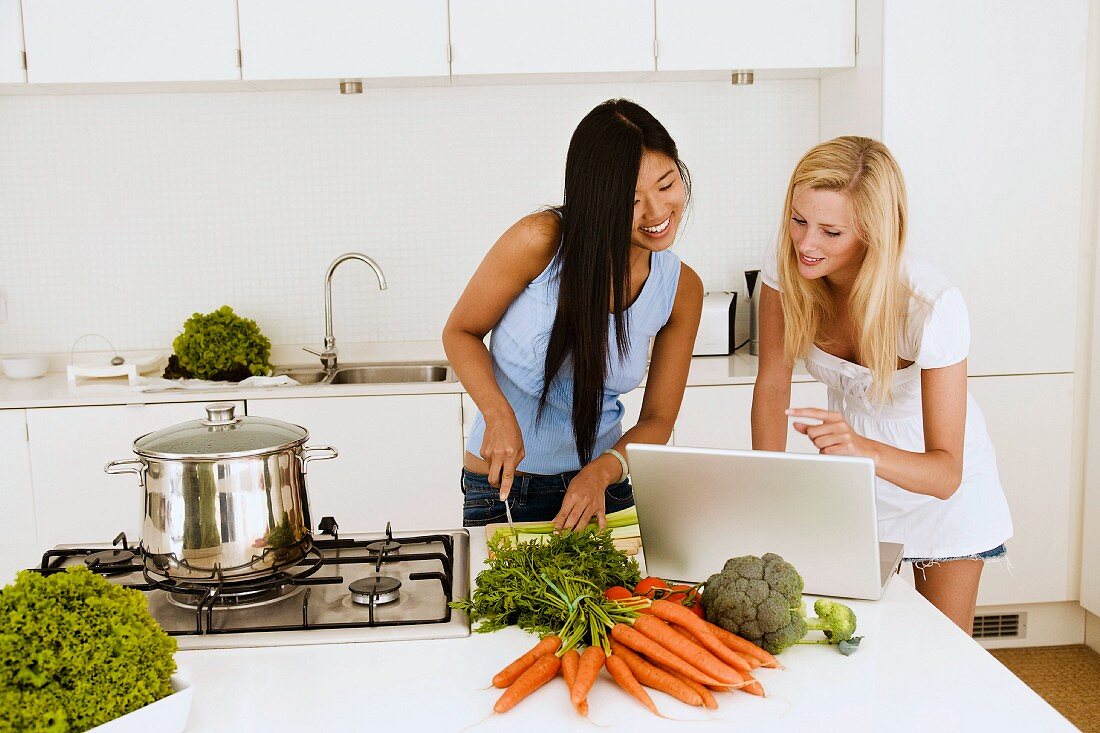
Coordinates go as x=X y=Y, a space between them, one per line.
x=651 y=587
x=617 y=593
x=687 y=596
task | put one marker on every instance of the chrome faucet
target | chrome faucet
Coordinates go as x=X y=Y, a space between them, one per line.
x=328 y=355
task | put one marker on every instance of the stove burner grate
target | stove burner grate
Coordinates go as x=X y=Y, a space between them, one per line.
x=231 y=600
x=209 y=603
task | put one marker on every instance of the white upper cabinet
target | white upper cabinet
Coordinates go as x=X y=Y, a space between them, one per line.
x=563 y=36
x=130 y=40
x=749 y=34
x=322 y=39
x=11 y=42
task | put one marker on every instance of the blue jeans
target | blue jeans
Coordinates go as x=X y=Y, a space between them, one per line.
x=995 y=554
x=534 y=498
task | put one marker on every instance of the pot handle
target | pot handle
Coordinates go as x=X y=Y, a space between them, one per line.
x=129 y=466
x=324 y=452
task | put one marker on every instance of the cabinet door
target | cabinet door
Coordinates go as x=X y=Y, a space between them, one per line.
x=754 y=34
x=720 y=417
x=971 y=211
x=508 y=37
x=130 y=40
x=15 y=487
x=11 y=42
x=290 y=39
x=400 y=458
x=75 y=501
x=1030 y=420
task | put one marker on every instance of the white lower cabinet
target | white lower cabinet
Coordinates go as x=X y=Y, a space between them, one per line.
x=1030 y=420
x=15 y=486
x=400 y=458
x=74 y=500
x=720 y=416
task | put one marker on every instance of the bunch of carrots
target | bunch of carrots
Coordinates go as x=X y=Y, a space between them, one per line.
x=669 y=649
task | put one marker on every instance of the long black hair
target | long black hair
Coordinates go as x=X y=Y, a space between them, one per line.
x=597 y=221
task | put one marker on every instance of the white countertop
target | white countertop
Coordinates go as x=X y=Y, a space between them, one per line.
x=54 y=390
x=914 y=671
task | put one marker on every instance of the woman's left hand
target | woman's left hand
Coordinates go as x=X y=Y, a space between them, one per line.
x=584 y=499
x=834 y=436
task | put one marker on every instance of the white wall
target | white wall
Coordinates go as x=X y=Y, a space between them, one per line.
x=123 y=214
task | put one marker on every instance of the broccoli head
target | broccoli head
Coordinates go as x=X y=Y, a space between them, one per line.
x=760 y=599
x=835 y=620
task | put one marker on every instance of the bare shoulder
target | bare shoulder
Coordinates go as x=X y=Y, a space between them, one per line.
x=537 y=233
x=690 y=287
x=528 y=245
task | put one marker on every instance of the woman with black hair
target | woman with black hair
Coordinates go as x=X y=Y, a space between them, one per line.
x=573 y=296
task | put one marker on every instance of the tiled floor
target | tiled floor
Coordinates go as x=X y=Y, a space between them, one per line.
x=1068 y=677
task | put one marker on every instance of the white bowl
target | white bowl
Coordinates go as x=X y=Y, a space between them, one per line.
x=167 y=715
x=24 y=366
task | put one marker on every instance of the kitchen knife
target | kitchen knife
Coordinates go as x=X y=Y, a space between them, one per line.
x=508 y=514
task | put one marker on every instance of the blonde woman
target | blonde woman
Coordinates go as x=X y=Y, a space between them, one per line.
x=889 y=336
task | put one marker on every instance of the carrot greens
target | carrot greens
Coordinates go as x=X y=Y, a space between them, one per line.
x=552 y=587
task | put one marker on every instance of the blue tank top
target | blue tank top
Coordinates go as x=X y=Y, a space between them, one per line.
x=518 y=349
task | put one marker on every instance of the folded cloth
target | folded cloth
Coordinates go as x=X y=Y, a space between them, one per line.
x=159 y=384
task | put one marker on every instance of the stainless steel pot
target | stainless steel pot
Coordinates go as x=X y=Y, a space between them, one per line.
x=225 y=497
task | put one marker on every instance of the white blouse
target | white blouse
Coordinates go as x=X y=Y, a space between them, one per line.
x=976 y=517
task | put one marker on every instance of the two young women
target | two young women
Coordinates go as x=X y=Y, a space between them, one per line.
x=574 y=294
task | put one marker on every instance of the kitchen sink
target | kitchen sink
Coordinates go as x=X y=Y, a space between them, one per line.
x=370 y=374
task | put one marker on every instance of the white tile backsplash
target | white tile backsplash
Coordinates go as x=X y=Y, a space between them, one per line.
x=123 y=214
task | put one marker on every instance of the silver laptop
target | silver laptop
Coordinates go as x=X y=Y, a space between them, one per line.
x=698 y=507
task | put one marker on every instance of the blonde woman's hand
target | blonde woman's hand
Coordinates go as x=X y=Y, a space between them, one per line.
x=834 y=436
x=584 y=499
x=502 y=449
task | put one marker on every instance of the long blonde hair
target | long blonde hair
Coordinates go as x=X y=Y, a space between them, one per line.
x=865 y=170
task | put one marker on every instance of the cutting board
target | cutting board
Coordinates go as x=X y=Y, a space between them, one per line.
x=627 y=540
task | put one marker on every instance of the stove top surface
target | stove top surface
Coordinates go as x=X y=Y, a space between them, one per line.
x=355 y=588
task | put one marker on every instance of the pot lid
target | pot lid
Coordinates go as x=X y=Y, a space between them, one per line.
x=221 y=435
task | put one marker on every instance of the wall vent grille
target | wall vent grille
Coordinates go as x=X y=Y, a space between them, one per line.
x=1000 y=626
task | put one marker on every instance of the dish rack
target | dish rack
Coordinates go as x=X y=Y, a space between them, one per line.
x=103 y=366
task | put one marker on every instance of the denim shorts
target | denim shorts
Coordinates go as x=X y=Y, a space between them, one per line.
x=534 y=498
x=996 y=553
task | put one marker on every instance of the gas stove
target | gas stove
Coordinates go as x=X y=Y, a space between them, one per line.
x=385 y=586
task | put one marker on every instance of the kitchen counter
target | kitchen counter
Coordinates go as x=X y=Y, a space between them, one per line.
x=915 y=671
x=54 y=390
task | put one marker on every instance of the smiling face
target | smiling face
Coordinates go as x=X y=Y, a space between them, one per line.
x=658 y=202
x=823 y=231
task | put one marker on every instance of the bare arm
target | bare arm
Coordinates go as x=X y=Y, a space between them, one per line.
x=771 y=395
x=935 y=472
x=514 y=261
x=668 y=370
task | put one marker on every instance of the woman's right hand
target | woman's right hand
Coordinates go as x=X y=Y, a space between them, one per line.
x=502 y=449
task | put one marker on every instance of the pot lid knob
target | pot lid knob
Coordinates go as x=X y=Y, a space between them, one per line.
x=221 y=413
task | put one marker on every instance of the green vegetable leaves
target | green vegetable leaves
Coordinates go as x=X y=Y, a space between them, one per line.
x=77 y=651
x=848 y=646
x=221 y=345
x=513 y=589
